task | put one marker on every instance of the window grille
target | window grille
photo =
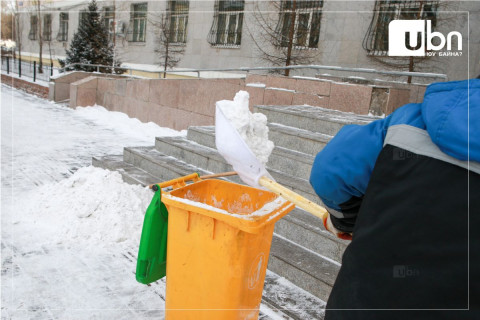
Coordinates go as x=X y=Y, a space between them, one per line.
x=306 y=16
x=82 y=18
x=376 y=39
x=108 y=21
x=47 y=27
x=178 y=20
x=32 y=35
x=63 y=27
x=227 y=24
x=138 y=22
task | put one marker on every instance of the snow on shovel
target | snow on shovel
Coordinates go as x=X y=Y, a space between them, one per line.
x=237 y=152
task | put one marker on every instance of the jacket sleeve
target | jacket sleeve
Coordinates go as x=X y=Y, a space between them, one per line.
x=342 y=170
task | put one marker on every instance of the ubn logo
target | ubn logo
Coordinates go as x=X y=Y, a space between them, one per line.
x=411 y=38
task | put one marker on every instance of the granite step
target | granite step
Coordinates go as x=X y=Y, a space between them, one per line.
x=130 y=173
x=305 y=268
x=285 y=160
x=314 y=119
x=301 y=140
x=291 y=162
x=287 y=137
x=210 y=160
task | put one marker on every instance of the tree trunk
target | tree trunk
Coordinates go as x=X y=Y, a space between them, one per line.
x=18 y=32
x=410 y=69
x=166 y=59
x=291 y=34
x=40 y=38
x=411 y=63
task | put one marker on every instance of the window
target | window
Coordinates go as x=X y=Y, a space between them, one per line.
x=305 y=16
x=376 y=40
x=32 y=35
x=63 y=27
x=82 y=18
x=178 y=17
x=227 y=23
x=47 y=27
x=138 y=22
x=108 y=21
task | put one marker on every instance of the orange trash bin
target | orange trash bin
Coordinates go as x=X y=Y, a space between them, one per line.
x=219 y=237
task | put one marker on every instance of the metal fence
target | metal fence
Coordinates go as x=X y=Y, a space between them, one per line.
x=246 y=70
x=28 y=69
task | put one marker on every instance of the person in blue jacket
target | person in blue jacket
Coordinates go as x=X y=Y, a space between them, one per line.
x=406 y=189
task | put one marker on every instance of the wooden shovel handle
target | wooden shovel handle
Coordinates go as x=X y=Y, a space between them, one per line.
x=218 y=175
x=294 y=198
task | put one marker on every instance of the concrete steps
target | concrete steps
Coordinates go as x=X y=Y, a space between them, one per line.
x=294 y=162
x=301 y=140
x=302 y=250
x=210 y=160
x=314 y=119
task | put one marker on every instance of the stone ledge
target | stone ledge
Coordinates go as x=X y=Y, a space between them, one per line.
x=26 y=86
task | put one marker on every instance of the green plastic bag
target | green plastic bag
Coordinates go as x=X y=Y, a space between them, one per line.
x=152 y=254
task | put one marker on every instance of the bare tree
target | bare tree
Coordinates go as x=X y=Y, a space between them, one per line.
x=169 y=49
x=36 y=31
x=7 y=28
x=18 y=31
x=40 y=36
x=288 y=32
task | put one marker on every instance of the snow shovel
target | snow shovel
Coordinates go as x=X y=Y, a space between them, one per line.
x=237 y=153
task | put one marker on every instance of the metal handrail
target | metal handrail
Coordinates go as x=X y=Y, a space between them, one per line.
x=249 y=69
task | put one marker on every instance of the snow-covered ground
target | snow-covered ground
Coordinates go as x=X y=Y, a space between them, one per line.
x=69 y=241
x=70 y=232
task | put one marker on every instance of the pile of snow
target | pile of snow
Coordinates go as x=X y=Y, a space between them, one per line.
x=92 y=206
x=8 y=43
x=134 y=127
x=251 y=127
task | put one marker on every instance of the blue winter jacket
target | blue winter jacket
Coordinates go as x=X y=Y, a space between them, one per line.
x=450 y=112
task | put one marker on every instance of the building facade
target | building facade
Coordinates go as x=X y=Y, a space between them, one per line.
x=242 y=33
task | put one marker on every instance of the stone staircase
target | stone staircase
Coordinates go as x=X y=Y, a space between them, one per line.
x=302 y=251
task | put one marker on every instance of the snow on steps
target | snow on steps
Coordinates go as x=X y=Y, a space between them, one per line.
x=315 y=119
x=285 y=160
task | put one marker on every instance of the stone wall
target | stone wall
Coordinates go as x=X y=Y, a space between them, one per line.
x=60 y=84
x=180 y=103
x=26 y=86
x=172 y=103
x=376 y=99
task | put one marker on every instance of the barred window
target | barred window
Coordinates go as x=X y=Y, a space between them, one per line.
x=108 y=17
x=227 y=24
x=138 y=22
x=178 y=17
x=306 y=16
x=376 y=39
x=82 y=17
x=63 y=27
x=47 y=27
x=32 y=35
